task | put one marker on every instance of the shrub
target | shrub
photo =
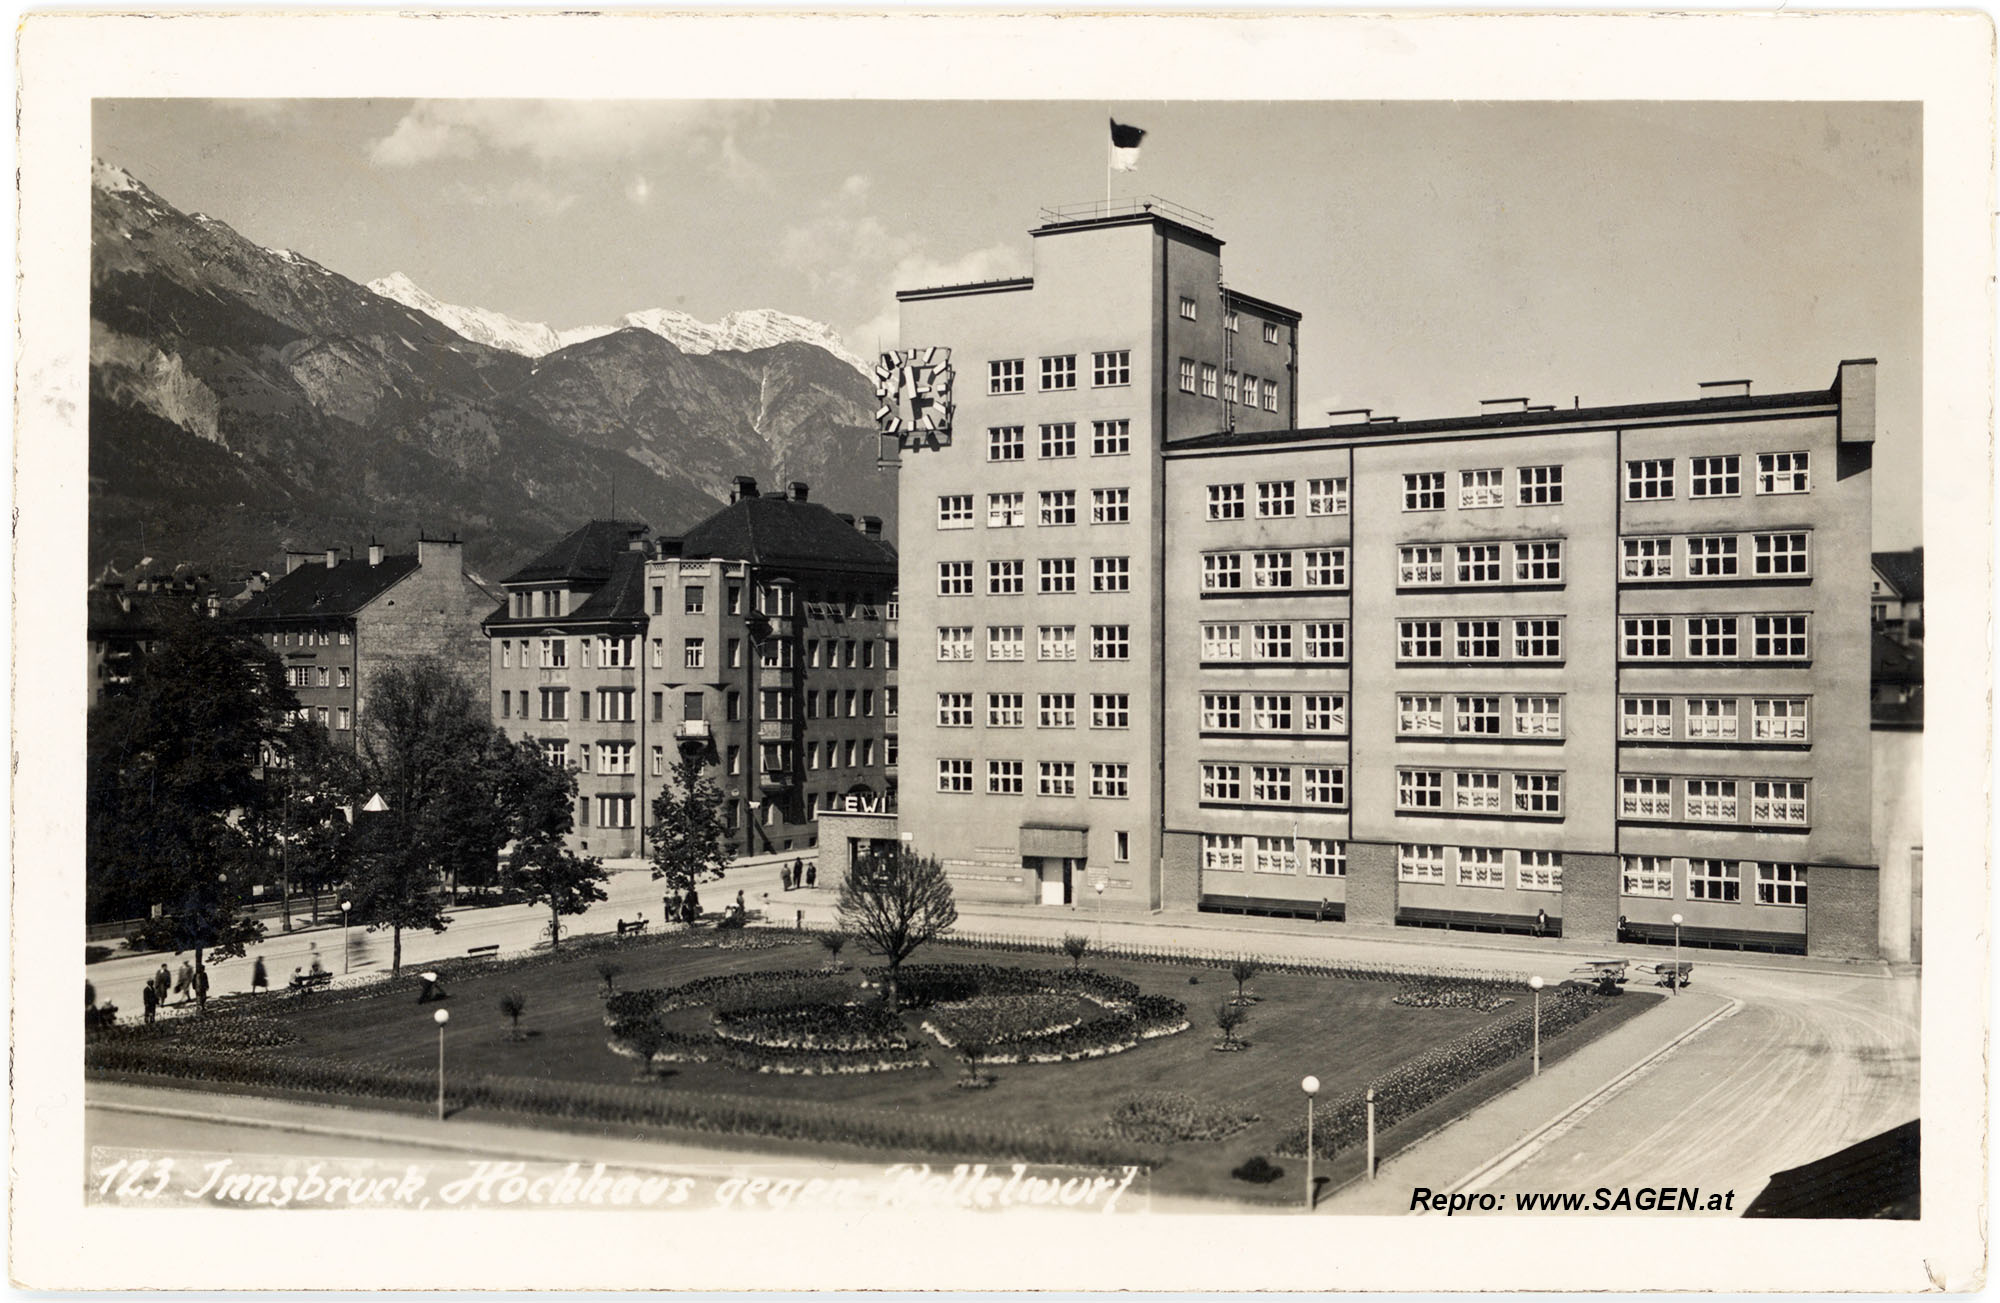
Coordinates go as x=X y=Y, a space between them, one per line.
x=514 y=1004
x=1076 y=946
x=1163 y=1116
x=1258 y=1171
x=1431 y=992
x=609 y=972
x=833 y=943
x=1229 y=1016
x=1242 y=970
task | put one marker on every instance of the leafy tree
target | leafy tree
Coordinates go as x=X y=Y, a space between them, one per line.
x=1076 y=946
x=538 y=800
x=1242 y=970
x=1229 y=1015
x=895 y=904
x=315 y=788
x=172 y=764
x=833 y=943
x=690 y=832
x=514 y=1004
x=546 y=872
x=609 y=972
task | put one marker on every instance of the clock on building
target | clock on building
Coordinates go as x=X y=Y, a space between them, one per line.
x=913 y=396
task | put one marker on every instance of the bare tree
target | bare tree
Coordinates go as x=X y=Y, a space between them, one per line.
x=1229 y=1015
x=896 y=903
x=1243 y=970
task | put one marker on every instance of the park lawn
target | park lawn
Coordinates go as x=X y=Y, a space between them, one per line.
x=1345 y=1032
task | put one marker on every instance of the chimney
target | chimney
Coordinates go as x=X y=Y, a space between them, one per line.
x=871 y=526
x=667 y=548
x=844 y=519
x=746 y=487
x=797 y=490
x=636 y=540
x=295 y=559
x=447 y=554
x=374 y=553
x=332 y=557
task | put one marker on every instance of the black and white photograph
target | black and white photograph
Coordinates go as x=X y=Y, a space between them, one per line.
x=815 y=647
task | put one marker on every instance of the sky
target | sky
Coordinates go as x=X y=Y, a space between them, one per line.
x=1441 y=253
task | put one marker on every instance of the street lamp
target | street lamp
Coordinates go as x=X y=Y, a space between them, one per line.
x=1674 y=982
x=1535 y=985
x=1100 y=913
x=346 y=908
x=1371 y=1133
x=1311 y=1087
x=441 y=1017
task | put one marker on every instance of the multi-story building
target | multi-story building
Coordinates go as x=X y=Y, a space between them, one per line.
x=1581 y=670
x=1896 y=600
x=337 y=621
x=1033 y=544
x=764 y=638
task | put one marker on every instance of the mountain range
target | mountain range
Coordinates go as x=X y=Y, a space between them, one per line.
x=244 y=400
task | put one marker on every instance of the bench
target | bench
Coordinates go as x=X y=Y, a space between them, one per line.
x=1715 y=938
x=304 y=982
x=637 y=925
x=493 y=949
x=1466 y=920
x=1332 y=911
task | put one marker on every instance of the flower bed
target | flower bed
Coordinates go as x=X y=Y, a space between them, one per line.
x=1163 y=1116
x=1001 y=1019
x=1118 y=1026
x=844 y=1028
x=1430 y=992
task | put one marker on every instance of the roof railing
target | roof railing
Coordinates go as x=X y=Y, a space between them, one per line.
x=1101 y=209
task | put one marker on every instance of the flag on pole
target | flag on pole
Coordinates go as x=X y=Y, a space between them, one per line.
x=1125 y=146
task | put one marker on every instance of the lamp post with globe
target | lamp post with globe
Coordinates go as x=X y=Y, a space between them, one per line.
x=346 y=912
x=441 y=1017
x=1535 y=985
x=1311 y=1087
x=1674 y=980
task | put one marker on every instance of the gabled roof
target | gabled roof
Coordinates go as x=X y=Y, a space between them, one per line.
x=784 y=533
x=586 y=555
x=1904 y=572
x=623 y=595
x=315 y=589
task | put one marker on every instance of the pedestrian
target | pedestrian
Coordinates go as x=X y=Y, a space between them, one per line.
x=201 y=989
x=739 y=900
x=1541 y=922
x=162 y=983
x=798 y=873
x=260 y=981
x=152 y=999
x=812 y=873
x=317 y=967
x=184 y=981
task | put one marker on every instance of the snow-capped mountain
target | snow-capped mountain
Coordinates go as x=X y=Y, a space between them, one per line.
x=739 y=332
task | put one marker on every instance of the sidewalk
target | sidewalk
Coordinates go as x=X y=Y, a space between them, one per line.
x=1473 y=1151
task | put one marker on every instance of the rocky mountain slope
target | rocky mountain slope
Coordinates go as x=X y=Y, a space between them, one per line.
x=245 y=399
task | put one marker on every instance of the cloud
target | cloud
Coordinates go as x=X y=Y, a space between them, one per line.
x=562 y=131
x=919 y=270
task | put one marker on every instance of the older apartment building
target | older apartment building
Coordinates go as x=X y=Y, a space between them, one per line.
x=1580 y=670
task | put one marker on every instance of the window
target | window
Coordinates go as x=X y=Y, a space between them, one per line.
x=1059 y=441
x=1109 y=369
x=1111 y=642
x=506 y=652
x=1271 y=713
x=1648 y=480
x=1225 y=502
x=1109 y=782
x=1221 y=712
x=1645 y=798
x=1005 y=578
x=1229 y=387
x=1538 y=640
x=1711 y=719
x=323 y=677
x=1056 y=574
x=1420 y=640
x=1207 y=380
x=1275 y=500
x=1778 y=802
x=1327 y=858
x=1782 y=472
x=555 y=653
x=954 y=642
x=1271 y=569
x=1271 y=784
x=1424 y=491
x=954 y=579
x=1271 y=642
x=1270 y=332
x=1322 y=712
x=344 y=677
x=1110 y=710
x=555 y=703
x=1646 y=875
x=1419 y=789
x=1007 y=376
x=556 y=754
x=1778 y=637
x=1711 y=637
x=1781 y=884
x=1110 y=506
x=1122 y=847
x=1187 y=375
x=1419 y=863
x=1540 y=871
x=1476 y=716
x=1003 y=642
x=1480 y=866
x=1475 y=790
x=1324 y=640
x=1648 y=637
x=1715 y=477
x=1538 y=717
x=1714 y=880
x=1110 y=438
x=1110 y=574
x=1003 y=778
x=694 y=653
x=1539 y=486
x=1711 y=800
x=1006 y=443
x=1187 y=308
x=1538 y=563
x=954 y=710
x=1275 y=855
x=1056 y=778
x=1221 y=782
x=1651 y=717
x=1221 y=571
x=298 y=676
x=1481 y=488
x=1419 y=715
x=1476 y=640
x=1324 y=785
x=1221 y=852
x=1056 y=642
x=1649 y=558
x=954 y=512
x=1326 y=497
x=1478 y=563
x=1251 y=391
x=1325 y=567
x=1059 y=372
x=955 y=776
x=614 y=812
x=1419 y=565
x=615 y=705
x=1006 y=511
x=1779 y=719
x=615 y=757
x=1230 y=321
x=1538 y=794
x=344 y=717
x=1222 y=642
x=1781 y=554
x=1711 y=556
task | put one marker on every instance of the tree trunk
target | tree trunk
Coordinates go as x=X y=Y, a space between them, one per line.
x=555 y=926
x=396 y=951
x=889 y=989
x=200 y=986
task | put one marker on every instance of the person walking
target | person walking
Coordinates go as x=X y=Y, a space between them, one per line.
x=812 y=873
x=1541 y=922
x=798 y=873
x=163 y=982
x=152 y=999
x=260 y=981
x=201 y=989
x=184 y=982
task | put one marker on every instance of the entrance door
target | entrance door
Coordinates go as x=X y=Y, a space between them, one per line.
x=1073 y=881
x=1054 y=889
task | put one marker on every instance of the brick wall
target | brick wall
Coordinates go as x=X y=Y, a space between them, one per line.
x=1180 y=871
x=1371 y=883
x=1841 y=907
x=1590 y=897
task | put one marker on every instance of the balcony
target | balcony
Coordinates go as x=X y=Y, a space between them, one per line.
x=691 y=730
x=774 y=730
